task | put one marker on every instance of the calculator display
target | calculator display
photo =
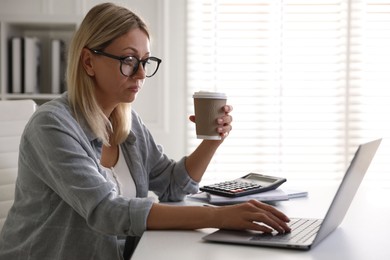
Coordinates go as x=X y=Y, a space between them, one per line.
x=259 y=178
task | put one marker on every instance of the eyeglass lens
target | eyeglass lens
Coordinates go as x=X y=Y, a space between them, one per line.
x=131 y=65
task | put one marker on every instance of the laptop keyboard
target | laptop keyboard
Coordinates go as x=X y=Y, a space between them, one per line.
x=302 y=230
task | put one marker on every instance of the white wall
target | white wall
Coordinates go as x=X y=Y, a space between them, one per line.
x=162 y=101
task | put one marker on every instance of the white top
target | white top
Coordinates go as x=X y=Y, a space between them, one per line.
x=120 y=175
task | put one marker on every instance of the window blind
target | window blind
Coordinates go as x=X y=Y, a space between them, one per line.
x=309 y=81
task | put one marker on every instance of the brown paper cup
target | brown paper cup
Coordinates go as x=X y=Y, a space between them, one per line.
x=208 y=108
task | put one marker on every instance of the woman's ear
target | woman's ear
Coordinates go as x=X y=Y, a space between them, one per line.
x=86 y=61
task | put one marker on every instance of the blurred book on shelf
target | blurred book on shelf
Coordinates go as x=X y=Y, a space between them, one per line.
x=15 y=65
x=58 y=66
x=32 y=56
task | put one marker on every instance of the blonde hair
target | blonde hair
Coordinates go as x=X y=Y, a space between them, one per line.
x=102 y=24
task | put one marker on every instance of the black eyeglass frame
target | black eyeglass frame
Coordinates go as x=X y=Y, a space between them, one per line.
x=122 y=61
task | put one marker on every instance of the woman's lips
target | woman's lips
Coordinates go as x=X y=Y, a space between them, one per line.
x=134 y=89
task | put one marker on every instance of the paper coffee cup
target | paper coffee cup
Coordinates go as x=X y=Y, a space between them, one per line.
x=208 y=108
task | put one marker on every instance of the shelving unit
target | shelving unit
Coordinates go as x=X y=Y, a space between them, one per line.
x=45 y=28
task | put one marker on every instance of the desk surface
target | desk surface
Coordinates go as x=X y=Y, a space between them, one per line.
x=356 y=238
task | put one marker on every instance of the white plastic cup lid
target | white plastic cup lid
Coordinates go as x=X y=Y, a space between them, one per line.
x=207 y=94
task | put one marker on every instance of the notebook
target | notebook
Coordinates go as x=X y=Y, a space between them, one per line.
x=306 y=233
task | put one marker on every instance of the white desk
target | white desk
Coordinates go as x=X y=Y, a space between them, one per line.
x=355 y=239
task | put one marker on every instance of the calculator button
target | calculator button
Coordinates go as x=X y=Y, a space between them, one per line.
x=233 y=187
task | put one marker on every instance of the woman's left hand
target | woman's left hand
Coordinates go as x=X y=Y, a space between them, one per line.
x=224 y=123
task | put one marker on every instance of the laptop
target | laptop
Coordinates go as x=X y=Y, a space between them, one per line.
x=306 y=233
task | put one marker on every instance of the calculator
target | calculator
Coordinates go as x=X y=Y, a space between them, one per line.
x=249 y=184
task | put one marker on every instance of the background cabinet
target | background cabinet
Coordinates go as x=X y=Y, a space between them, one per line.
x=45 y=29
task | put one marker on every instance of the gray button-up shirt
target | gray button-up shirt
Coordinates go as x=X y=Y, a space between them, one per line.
x=65 y=207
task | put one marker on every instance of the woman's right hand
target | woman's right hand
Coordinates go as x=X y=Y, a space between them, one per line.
x=251 y=215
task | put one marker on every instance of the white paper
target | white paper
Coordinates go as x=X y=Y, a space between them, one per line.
x=268 y=196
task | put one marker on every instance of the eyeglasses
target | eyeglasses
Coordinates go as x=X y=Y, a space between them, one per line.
x=129 y=64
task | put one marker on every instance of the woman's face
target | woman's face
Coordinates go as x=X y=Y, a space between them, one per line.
x=112 y=87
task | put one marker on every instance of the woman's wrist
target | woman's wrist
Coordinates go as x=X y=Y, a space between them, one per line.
x=214 y=144
x=214 y=218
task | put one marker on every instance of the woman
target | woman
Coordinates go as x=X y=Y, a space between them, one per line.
x=87 y=161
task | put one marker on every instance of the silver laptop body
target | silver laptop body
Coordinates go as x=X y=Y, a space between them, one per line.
x=307 y=233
